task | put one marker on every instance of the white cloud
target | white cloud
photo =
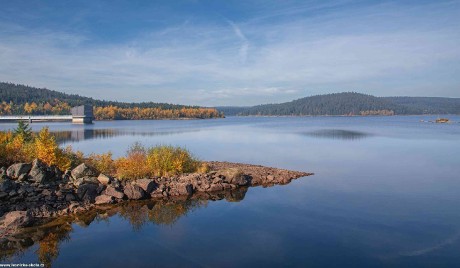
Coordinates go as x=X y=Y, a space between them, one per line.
x=210 y=64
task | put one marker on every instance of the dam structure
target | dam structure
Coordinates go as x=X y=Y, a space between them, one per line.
x=82 y=114
x=79 y=115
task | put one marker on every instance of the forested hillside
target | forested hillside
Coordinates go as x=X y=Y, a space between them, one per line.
x=232 y=110
x=348 y=103
x=351 y=103
x=428 y=105
x=21 y=99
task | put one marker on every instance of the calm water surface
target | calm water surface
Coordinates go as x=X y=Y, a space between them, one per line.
x=385 y=193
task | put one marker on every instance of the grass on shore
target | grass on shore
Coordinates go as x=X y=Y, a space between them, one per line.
x=22 y=145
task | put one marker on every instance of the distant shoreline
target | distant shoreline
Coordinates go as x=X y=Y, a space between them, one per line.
x=343 y=115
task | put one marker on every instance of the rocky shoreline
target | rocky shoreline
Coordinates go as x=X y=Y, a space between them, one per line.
x=31 y=193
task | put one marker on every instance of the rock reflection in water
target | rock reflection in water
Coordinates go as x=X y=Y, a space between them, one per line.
x=339 y=134
x=49 y=236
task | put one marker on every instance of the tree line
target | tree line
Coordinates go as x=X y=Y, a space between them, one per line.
x=25 y=100
x=352 y=103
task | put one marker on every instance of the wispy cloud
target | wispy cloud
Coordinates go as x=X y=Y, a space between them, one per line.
x=243 y=51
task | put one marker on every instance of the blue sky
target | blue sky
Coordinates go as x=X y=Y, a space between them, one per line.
x=231 y=52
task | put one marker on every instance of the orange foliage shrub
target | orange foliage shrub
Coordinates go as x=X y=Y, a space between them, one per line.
x=169 y=160
x=138 y=163
x=48 y=151
x=156 y=161
x=15 y=148
x=102 y=163
x=133 y=166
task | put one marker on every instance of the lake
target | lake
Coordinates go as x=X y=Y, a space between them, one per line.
x=385 y=193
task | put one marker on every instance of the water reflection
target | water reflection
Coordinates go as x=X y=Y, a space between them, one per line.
x=81 y=134
x=49 y=237
x=339 y=134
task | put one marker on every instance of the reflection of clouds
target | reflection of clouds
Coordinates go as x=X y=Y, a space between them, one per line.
x=338 y=134
x=422 y=251
x=77 y=135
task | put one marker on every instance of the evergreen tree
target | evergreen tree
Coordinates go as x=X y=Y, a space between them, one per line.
x=23 y=130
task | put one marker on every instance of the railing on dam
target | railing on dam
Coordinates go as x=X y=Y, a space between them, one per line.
x=36 y=117
x=80 y=115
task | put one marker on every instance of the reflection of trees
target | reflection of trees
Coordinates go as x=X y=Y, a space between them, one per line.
x=339 y=134
x=84 y=134
x=169 y=213
x=135 y=213
x=161 y=212
x=48 y=238
x=48 y=247
x=158 y=212
x=76 y=135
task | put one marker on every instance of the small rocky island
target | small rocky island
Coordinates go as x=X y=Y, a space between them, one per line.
x=33 y=193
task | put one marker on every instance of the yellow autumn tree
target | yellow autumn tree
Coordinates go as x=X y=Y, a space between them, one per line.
x=48 y=151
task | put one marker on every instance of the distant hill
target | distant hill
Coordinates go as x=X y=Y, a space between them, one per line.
x=428 y=105
x=231 y=110
x=20 y=94
x=24 y=100
x=351 y=103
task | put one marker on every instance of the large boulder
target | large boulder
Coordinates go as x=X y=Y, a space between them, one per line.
x=233 y=176
x=104 y=199
x=41 y=173
x=83 y=170
x=111 y=191
x=148 y=185
x=181 y=189
x=104 y=179
x=87 y=192
x=134 y=192
x=19 y=169
x=16 y=219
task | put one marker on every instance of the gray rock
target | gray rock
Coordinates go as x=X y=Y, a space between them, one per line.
x=58 y=173
x=215 y=187
x=23 y=177
x=100 y=188
x=47 y=192
x=83 y=171
x=104 y=199
x=19 y=169
x=182 y=189
x=17 y=219
x=87 y=192
x=41 y=173
x=82 y=180
x=134 y=192
x=115 y=183
x=233 y=176
x=6 y=184
x=2 y=170
x=148 y=185
x=111 y=191
x=70 y=197
x=103 y=179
